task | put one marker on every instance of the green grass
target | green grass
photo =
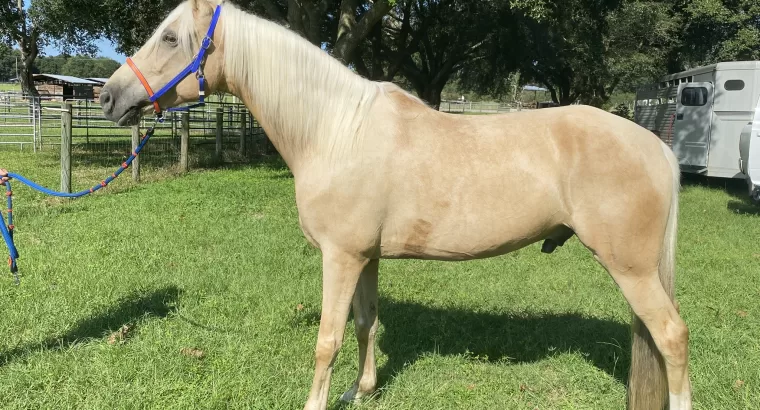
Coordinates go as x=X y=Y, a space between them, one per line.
x=214 y=260
x=9 y=87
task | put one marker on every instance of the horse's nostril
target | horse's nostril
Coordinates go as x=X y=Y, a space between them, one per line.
x=106 y=101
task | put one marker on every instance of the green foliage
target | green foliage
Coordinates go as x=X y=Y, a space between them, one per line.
x=51 y=64
x=78 y=66
x=435 y=40
x=623 y=110
x=129 y=23
x=72 y=25
x=580 y=50
x=8 y=58
x=719 y=30
x=82 y=66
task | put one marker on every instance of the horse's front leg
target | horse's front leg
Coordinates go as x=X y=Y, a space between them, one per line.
x=340 y=274
x=365 y=321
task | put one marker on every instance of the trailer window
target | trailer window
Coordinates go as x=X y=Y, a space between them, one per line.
x=694 y=96
x=734 y=85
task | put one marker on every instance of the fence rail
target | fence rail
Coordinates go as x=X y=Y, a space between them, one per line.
x=26 y=120
x=455 y=106
x=221 y=131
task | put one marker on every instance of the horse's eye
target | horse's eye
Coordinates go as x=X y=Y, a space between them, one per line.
x=170 y=38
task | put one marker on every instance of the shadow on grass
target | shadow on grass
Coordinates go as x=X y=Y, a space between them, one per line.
x=734 y=187
x=746 y=207
x=129 y=310
x=412 y=330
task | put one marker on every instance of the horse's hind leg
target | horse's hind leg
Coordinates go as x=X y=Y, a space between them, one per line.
x=640 y=260
x=365 y=321
x=654 y=308
x=636 y=244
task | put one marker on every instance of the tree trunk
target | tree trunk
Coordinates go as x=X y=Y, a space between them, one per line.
x=352 y=33
x=431 y=94
x=26 y=80
x=28 y=56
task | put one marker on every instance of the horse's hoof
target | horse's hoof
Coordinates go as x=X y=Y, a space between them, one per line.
x=351 y=396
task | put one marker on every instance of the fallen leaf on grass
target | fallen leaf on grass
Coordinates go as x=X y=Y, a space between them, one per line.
x=120 y=335
x=192 y=352
x=738 y=384
x=742 y=313
x=471 y=387
x=299 y=307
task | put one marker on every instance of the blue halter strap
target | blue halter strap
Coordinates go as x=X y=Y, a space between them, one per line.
x=5 y=179
x=195 y=66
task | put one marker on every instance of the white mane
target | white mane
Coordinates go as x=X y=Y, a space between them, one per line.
x=302 y=92
x=307 y=97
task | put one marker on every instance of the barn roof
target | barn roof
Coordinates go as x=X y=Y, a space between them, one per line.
x=63 y=78
x=99 y=80
x=533 y=88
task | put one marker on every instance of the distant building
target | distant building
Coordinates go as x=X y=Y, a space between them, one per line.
x=64 y=87
x=97 y=87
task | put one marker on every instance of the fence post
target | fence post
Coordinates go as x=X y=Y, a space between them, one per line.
x=66 y=148
x=86 y=119
x=136 y=161
x=219 y=130
x=184 y=142
x=243 y=129
x=174 y=129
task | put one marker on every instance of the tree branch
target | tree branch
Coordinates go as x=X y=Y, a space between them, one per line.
x=274 y=12
x=372 y=17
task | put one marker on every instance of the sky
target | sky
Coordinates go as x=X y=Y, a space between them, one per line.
x=105 y=47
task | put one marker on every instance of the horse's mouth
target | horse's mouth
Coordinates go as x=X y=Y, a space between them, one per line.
x=132 y=116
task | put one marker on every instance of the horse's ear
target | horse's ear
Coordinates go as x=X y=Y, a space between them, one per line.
x=202 y=7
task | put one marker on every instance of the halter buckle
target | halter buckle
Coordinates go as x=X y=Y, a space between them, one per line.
x=206 y=43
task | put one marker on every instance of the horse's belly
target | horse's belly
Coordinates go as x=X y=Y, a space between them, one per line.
x=463 y=238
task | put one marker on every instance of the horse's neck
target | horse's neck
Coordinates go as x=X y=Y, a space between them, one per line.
x=309 y=104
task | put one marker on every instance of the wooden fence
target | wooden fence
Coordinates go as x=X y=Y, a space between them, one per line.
x=225 y=137
x=479 y=107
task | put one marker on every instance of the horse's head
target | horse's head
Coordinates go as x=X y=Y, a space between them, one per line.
x=172 y=51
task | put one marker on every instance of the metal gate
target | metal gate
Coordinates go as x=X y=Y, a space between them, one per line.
x=20 y=121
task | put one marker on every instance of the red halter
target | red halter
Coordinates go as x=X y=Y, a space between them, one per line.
x=144 y=82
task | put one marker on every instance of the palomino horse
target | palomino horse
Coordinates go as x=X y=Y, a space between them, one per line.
x=378 y=174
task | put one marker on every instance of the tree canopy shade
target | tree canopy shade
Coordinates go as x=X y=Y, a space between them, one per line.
x=129 y=23
x=578 y=49
x=8 y=58
x=71 y=25
x=340 y=25
x=430 y=41
x=717 y=30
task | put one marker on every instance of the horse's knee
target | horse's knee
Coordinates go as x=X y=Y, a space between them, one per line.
x=327 y=350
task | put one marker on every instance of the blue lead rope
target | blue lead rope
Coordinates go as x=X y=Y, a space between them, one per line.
x=7 y=230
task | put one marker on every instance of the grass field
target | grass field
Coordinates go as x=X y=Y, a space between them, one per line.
x=214 y=261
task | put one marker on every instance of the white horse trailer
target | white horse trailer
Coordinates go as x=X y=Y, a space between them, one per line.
x=749 y=151
x=701 y=114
